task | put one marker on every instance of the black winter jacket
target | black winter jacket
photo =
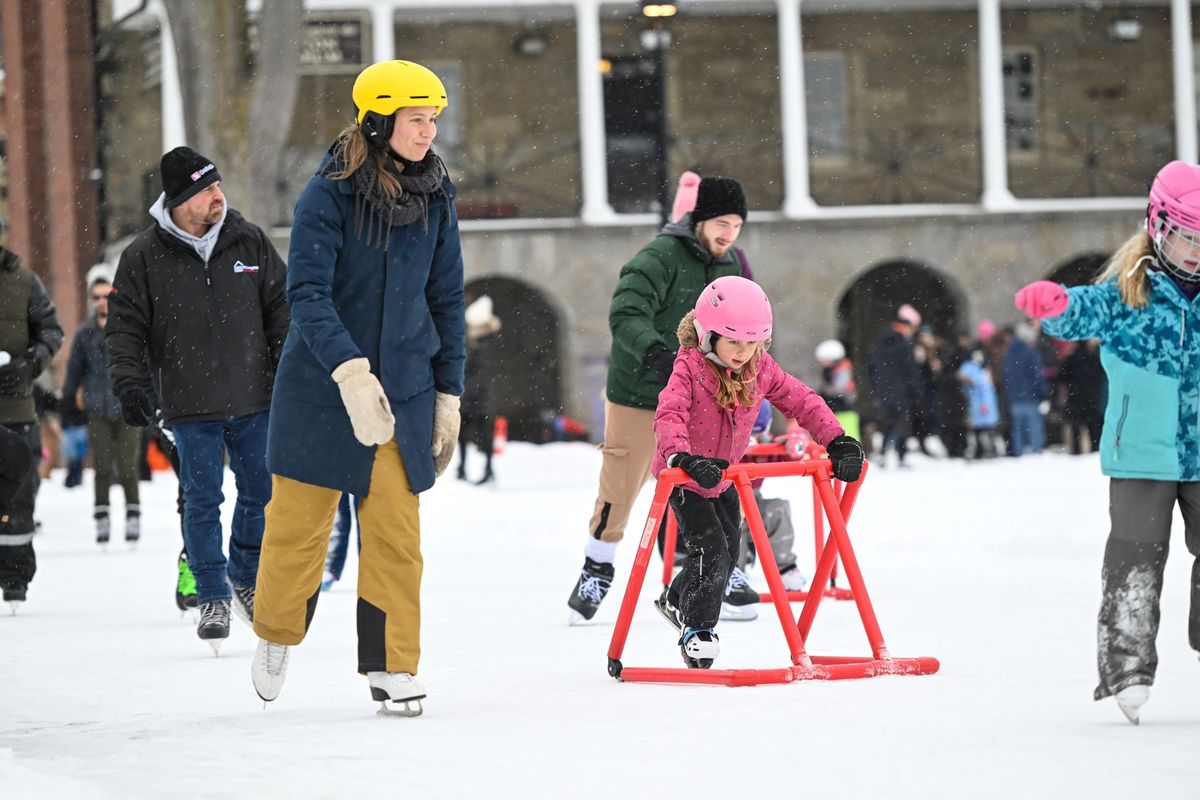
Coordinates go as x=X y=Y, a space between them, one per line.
x=893 y=372
x=87 y=369
x=210 y=333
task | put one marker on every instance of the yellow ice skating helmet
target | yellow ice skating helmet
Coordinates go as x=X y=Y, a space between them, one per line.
x=382 y=88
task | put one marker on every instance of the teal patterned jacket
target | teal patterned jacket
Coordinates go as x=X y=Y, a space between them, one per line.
x=1152 y=358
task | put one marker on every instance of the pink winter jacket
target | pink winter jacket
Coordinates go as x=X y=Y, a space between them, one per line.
x=689 y=420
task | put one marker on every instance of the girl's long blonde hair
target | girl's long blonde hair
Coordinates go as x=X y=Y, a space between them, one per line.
x=1129 y=267
x=732 y=389
x=351 y=149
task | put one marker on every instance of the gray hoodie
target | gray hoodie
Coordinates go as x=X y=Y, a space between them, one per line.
x=203 y=245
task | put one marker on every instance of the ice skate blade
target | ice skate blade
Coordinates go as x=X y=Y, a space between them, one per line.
x=401 y=708
x=13 y=605
x=577 y=619
x=739 y=613
x=1130 y=700
x=215 y=644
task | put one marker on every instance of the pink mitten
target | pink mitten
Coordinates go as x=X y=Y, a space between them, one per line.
x=1042 y=299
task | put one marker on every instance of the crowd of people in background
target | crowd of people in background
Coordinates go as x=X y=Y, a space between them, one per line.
x=1005 y=391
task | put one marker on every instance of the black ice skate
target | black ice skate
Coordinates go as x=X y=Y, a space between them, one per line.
x=741 y=600
x=670 y=613
x=103 y=525
x=133 y=524
x=401 y=689
x=14 y=595
x=214 y=624
x=699 y=647
x=594 y=582
x=243 y=603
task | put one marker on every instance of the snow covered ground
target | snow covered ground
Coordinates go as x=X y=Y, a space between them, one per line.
x=992 y=568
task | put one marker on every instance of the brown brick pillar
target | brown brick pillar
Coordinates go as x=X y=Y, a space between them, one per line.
x=53 y=217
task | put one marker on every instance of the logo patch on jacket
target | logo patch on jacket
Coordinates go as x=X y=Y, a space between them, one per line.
x=238 y=266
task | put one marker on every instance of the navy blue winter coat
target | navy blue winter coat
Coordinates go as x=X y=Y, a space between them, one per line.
x=401 y=308
x=1022 y=371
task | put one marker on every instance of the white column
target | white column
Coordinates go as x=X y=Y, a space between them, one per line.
x=797 y=195
x=592 y=153
x=383 y=33
x=991 y=111
x=1185 y=81
x=173 y=132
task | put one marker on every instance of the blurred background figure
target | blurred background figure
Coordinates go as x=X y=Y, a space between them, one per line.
x=87 y=388
x=1085 y=387
x=893 y=373
x=837 y=384
x=951 y=395
x=1025 y=389
x=983 y=414
x=478 y=414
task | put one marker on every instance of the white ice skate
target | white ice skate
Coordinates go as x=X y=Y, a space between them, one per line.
x=1131 y=699
x=402 y=689
x=13 y=605
x=268 y=669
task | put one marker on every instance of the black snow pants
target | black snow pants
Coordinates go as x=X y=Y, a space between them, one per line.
x=17 y=561
x=1132 y=577
x=709 y=535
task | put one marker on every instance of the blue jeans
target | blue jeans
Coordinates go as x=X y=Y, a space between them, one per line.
x=202 y=447
x=1027 y=429
x=339 y=541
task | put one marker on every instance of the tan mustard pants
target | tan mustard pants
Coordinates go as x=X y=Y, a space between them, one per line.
x=628 y=449
x=299 y=518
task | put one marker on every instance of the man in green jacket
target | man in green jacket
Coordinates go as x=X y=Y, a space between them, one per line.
x=655 y=290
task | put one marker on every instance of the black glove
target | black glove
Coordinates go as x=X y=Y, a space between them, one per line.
x=136 y=408
x=847 y=456
x=661 y=360
x=702 y=469
x=16 y=377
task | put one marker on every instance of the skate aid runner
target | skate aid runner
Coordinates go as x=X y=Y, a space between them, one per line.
x=721 y=376
x=336 y=426
x=1143 y=310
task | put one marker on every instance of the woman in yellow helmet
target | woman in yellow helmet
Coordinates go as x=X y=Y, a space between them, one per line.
x=367 y=391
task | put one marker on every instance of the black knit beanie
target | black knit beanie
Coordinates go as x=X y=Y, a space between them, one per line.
x=717 y=197
x=184 y=173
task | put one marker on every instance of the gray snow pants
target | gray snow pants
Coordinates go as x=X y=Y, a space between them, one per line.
x=1132 y=577
x=777 y=519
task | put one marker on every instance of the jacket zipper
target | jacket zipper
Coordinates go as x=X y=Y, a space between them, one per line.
x=1120 y=427
x=207 y=277
x=1182 y=326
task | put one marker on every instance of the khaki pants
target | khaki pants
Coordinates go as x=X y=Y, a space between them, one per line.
x=299 y=518
x=628 y=449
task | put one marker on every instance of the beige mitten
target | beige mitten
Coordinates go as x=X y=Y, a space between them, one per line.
x=445 y=430
x=368 y=407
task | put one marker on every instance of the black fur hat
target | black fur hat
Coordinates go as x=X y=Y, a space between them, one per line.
x=184 y=173
x=717 y=197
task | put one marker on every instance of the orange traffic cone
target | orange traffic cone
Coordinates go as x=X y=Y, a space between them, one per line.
x=500 y=436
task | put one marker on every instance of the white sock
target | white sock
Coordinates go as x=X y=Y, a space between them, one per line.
x=601 y=552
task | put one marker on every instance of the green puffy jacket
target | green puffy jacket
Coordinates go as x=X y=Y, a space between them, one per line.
x=655 y=290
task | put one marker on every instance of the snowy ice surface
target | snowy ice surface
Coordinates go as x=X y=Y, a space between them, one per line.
x=993 y=568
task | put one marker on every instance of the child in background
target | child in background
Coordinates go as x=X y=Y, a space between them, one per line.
x=837 y=384
x=1144 y=311
x=983 y=411
x=721 y=376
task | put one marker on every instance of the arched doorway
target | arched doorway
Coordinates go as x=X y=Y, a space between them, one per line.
x=870 y=303
x=1078 y=271
x=528 y=369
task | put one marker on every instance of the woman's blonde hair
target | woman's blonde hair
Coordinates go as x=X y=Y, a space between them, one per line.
x=351 y=149
x=1129 y=267
x=732 y=389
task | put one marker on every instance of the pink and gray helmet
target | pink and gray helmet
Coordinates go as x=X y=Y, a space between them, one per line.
x=1174 y=206
x=735 y=308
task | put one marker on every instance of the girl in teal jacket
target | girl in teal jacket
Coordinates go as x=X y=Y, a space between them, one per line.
x=1144 y=310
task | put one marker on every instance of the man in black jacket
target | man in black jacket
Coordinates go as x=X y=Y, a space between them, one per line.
x=198 y=307
x=29 y=336
x=893 y=373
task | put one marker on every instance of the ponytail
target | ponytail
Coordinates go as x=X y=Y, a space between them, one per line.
x=1130 y=268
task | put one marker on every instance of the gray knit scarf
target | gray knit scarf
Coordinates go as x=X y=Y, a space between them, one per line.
x=380 y=213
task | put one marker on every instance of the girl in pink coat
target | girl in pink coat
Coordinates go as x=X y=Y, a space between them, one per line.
x=702 y=425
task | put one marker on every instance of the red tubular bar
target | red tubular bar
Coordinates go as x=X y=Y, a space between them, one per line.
x=669 y=545
x=837 y=510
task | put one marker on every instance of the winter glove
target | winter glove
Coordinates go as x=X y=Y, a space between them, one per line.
x=446 y=420
x=702 y=469
x=16 y=377
x=368 y=407
x=661 y=360
x=1042 y=299
x=136 y=408
x=846 y=455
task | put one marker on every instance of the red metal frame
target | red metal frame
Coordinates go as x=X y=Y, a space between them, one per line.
x=795 y=631
x=781 y=450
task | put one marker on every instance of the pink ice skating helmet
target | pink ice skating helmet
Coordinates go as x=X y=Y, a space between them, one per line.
x=1174 y=207
x=735 y=308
